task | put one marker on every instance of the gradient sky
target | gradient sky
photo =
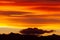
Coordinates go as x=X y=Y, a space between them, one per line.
x=21 y=14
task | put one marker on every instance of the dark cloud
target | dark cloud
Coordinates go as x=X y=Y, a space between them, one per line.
x=47 y=8
x=37 y=0
x=32 y=0
x=33 y=31
x=53 y=0
x=36 y=20
x=8 y=13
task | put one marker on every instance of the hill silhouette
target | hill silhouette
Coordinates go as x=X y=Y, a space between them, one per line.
x=16 y=36
x=26 y=35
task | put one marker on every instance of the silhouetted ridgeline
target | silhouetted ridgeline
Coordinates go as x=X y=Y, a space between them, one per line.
x=16 y=36
x=29 y=34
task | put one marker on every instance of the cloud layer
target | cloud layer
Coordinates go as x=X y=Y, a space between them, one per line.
x=29 y=18
x=34 y=31
x=32 y=0
x=9 y=13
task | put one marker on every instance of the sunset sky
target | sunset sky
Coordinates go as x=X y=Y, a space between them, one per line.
x=21 y=14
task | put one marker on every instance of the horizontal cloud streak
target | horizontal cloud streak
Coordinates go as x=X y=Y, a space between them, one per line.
x=10 y=13
x=29 y=18
x=47 y=8
x=33 y=0
x=35 y=20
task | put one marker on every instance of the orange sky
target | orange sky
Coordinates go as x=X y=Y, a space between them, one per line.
x=17 y=14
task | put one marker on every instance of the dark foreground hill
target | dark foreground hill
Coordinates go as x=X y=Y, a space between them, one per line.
x=13 y=36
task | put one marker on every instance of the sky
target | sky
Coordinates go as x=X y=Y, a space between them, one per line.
x=21 y=14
